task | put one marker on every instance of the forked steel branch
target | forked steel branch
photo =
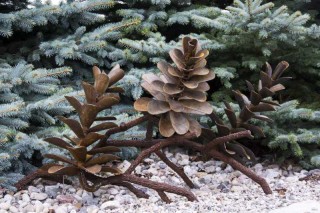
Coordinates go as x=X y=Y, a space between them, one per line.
x=209 y=149
x=93 y=182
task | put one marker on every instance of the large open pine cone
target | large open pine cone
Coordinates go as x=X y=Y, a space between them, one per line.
x=179 y=91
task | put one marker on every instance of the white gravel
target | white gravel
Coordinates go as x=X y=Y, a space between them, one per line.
x=221 y=189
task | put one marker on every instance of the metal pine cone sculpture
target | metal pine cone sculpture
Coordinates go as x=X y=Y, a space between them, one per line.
x=84 y=160
x=179 y=91
x=251 y=108
x=90 y=159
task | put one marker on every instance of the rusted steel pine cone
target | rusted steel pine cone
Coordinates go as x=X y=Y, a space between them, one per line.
x=99 y=96
x=251 y=108
x=179 y=91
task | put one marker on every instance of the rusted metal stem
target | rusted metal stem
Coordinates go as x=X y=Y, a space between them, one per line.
x=238 y=166
x=181 y=140
x=159 y=187
x=134 y=190
x=175 y=168
x=163 y=196
x=157 y=146
x=223 y=139
x=149 y=131
x=208 y=149
x=123 y=127
x=39 y=174
x=177 y=141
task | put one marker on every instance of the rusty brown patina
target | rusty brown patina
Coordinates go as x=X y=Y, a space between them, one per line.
x=177 y=94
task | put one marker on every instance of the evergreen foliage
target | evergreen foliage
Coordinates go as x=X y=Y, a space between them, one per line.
x=295 y=134
x=13 y=5
x=29 y=101
x=48 y=41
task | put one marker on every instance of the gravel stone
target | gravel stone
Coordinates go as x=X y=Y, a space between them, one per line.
x=224 y=186
x=61 y=209
x=99 y=192
x=110 y=205
x=65 y=198
x=113 y=191
x=175 y=180
x=311 y=206
x=5 y=206
x=87 y=198
x=92 y=209
x=184 y=162
x=33 y=189
x=190 y=171
x=162 y=165
x=210 y=169
x=218 y=188
x=257 y=167
x=271 y=174
x=28 y=208
x=205 y=179
x=72 y=190
x=314 y=172
x=148 y=161
x=38 y=196
x=79 y=192
x=228 y=169
x=8 y=198
x=13 y=209
x=52 y=191
x=208 y=163
x=26 y=198
x=39 y=206
x=138 y=169
x=124 y=165
x=153 y=171
x=218 y=169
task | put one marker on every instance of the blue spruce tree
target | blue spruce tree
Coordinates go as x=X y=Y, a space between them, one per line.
x=47 y=50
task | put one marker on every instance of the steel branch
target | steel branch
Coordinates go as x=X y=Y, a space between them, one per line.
x=139 y=193
x=175 y=168
x=157 y=146
x=149 y=132
x=230 y=137
x=39 y=174
x=123 y=127
x=180 y=141
x=164 y=187
x=238 y=166
x=163 y=196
